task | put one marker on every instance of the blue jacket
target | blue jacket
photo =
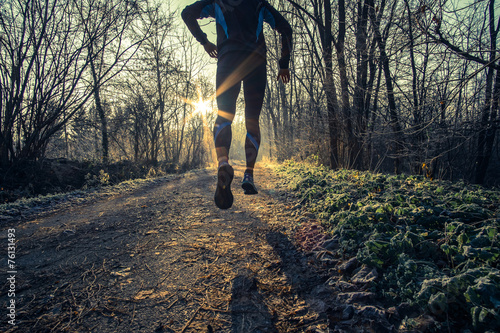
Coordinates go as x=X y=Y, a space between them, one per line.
x=240 y=25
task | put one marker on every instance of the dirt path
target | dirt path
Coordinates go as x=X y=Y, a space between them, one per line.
x=165 y=259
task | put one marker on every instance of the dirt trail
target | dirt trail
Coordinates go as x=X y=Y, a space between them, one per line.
x=165 y=259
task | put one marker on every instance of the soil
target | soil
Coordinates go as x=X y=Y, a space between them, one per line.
x=164 y=258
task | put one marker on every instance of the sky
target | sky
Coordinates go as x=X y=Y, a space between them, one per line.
x=208 y=29
x=183 y=3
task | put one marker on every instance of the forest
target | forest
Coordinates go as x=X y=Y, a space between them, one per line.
x=378 y=171
x=387 y=86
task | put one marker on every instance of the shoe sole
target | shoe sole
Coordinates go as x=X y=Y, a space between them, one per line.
x=249 y=188
x=223 y=196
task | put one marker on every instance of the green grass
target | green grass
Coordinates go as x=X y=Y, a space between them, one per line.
x=435 y=243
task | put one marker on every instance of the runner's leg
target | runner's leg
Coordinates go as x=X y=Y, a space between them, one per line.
x=226 y=103
x=228 y=87
x=254 y=87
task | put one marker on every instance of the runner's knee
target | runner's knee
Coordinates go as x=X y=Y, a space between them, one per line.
x=252 y=126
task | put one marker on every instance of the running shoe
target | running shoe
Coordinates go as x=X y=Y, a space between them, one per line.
x=223 y=197
x=248 y=185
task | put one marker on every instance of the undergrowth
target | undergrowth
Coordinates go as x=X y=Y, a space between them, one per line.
x=29 y=179
x=435 y=244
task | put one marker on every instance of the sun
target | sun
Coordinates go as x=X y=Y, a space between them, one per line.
x=202 y=107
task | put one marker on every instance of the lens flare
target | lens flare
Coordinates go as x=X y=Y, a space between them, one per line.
x=200 y=106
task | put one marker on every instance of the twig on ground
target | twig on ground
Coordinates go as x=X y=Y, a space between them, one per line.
x=171 y=304
x=214 y=310
x=191 y=320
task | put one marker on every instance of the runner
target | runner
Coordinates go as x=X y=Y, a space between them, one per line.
x=241 y=54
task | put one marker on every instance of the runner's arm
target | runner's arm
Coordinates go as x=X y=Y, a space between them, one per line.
x=280 y=24
x=190 y=15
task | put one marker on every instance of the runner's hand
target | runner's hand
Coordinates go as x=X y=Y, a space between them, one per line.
x=284 y=75
x=211 y=49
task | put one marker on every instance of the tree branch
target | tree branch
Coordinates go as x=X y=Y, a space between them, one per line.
x=302 y=9
x=463 y=54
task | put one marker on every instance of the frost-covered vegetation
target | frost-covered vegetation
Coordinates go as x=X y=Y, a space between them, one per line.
x=96 y=187
x=435 y=244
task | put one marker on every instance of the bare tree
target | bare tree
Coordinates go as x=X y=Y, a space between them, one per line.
x=43 y=61
x=431 y=22
x=55 y=56
x=113 y=45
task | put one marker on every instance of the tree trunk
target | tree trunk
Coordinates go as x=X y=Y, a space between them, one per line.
x=331 y=93
x=487 y=130
x=417 y=118
x=104 y=127
x=99 y=107
x=360 y=89
x=346 y=138
x=393 y=114
x=488 y=133
x=6 y=138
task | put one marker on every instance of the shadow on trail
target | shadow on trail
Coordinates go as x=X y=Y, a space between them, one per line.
x=310 y=286
x=249 y=313
x=303 y=278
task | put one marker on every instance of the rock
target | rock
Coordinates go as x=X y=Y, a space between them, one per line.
x=355 y=297
x=326 y=257
x=365 y=275
x=371 y=312
x=348 y=312
x=348 y=266
x=376 y=318
x=345 y=286
x=331 y=244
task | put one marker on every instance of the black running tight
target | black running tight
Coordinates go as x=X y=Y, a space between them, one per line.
x=233 y=69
